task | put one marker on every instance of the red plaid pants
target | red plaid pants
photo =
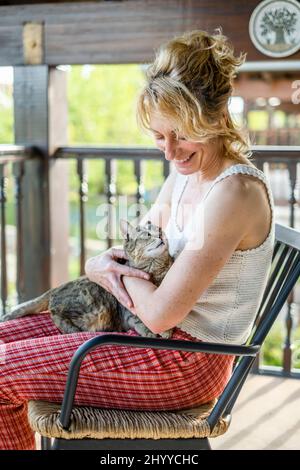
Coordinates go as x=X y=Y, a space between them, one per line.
x=34 y=360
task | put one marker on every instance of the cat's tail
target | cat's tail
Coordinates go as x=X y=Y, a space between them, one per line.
x=37 y=305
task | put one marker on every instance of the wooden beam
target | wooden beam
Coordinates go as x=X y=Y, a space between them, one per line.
x=251 y=87
x=30 y=117
x=122 y=31
x=41 y=120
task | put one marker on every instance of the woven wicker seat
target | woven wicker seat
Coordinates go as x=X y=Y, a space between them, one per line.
x=96 y=423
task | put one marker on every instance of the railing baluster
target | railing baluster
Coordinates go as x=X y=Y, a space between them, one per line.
x=110 y=194
x=166 y=168
x=3 y=181
x=287 y=350
x=260 y=165
x=292 y=169
x=107 y=191
x=140 y=192
x=83 y=197
x=18 y=172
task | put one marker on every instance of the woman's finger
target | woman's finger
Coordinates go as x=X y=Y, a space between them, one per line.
x=132 y=272
x=123 y=295
x=120 y=293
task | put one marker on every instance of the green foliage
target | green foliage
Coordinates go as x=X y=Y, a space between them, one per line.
x=258 y=120
x=6 y=113
x=272 y=349
x=102 y=105
x=102 y=102
x=274 y=344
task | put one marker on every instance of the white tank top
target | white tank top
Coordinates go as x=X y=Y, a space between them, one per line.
x=225 y=312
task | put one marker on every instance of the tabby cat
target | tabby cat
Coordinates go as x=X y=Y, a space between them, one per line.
x=83 y=305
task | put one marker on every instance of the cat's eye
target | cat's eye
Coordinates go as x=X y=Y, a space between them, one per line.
x=145 y=235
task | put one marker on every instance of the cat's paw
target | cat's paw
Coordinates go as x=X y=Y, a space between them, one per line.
x=166 y=334
x=145 y=332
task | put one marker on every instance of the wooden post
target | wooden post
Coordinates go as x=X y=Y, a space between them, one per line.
x=58 y=177
x=38 y=93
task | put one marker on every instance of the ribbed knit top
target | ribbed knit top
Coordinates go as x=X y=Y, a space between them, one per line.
x=226 y=311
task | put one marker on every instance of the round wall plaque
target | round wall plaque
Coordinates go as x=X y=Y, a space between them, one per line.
x=274 y=27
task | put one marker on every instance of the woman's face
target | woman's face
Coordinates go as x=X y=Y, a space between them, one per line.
x=186 y=155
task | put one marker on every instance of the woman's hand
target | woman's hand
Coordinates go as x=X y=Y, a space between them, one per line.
x=105 y=270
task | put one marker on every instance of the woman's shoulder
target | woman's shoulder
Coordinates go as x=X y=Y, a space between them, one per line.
x=247 y=179
x=242 y=175
x=250 y=188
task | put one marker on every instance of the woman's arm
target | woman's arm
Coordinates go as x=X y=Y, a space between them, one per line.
x=106 y=271
x=227 y=217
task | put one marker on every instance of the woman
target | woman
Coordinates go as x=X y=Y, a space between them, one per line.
x=217 y=210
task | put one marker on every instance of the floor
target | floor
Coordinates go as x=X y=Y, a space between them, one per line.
x=266 y=416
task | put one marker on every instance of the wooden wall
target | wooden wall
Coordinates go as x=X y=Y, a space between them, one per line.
x=120 y=31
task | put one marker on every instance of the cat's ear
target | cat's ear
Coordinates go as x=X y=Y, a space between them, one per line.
x=125 y=227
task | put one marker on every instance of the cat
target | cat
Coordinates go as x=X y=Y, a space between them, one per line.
x=83 y=305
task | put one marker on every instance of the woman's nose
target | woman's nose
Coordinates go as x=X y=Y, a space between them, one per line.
x=170 y=149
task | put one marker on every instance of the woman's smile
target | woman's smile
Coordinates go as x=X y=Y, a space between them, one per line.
x=184 y=162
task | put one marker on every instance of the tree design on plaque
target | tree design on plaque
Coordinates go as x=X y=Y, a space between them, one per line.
x=274 y=27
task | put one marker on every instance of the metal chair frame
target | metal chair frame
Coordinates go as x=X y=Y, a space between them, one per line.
x=284 y=274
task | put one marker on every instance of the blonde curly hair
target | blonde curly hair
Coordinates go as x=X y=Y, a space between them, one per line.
x=190 y=83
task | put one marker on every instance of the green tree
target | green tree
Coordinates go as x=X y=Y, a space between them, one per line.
x=102 y=105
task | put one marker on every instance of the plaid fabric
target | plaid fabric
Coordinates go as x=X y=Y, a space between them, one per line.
x=34 y=360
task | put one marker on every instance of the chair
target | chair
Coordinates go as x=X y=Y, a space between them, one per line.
x=93 y=428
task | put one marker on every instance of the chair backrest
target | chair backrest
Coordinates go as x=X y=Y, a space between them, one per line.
x=283 y=277
x=285 y=271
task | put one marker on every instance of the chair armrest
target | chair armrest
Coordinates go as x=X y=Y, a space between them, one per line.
x=139 y=342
